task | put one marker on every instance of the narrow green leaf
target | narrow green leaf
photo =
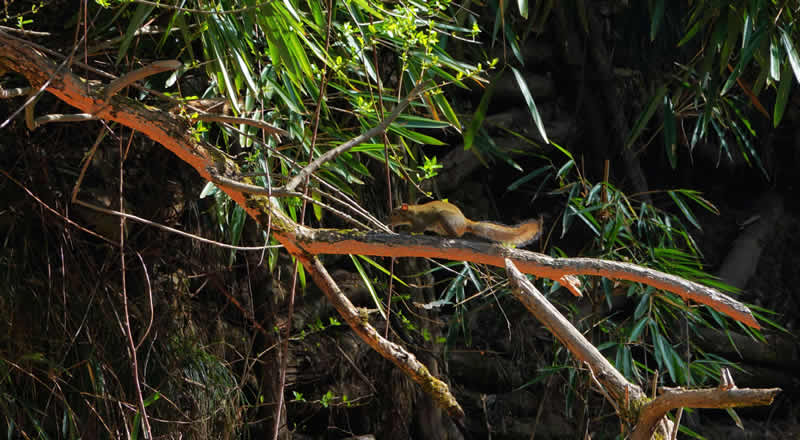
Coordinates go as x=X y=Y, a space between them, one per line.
x=523 y=87
x=152 y=398
x=368 y=283
x=691 y=32
x=378 y=266
x=139 y=16
x=684 y=209
x=238 y=218
x=794 y=60
x=637 y=329
x=480 y=114
x=301 y=275
x=414 y=136
x=316 y=12
x=730 y=41
x=642 y=307
x=586 y=216
x=774 y=61
x=528 y=177
x=511 y=39
x=219 y=54
x=782 y=98
x=208 y=190
x=745 y=57
x=590 y=198
x=735 y=418
x=620 y=358
x=641 y=123
x=670 y=133
x=566 y=167
x=411 y=121
x=447 y=110
x=563 y=150
x=170 y=25
x=655 y=19
x=675 y=365
x=627 y=362
x=523 y=8
x=456 y=287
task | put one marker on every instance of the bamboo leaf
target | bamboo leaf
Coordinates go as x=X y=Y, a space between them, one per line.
x=531 y=104
x=670 y=133
x=139 y=16
x=523 y=8
x=782 y=97
x=368 y=283
x=794 y=59
x=656 y=17
x=641 y=123
x=480 y=114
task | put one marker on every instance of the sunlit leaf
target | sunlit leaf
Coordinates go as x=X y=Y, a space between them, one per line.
x=480 y=114
x=368 y=284
x=794 y=59
x=523 y=87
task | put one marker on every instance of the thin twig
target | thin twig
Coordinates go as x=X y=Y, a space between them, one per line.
x=128 y=331
x=173 y=230
x=374 y=131
x=136 y=75
x=149 y=301
x=58 y=214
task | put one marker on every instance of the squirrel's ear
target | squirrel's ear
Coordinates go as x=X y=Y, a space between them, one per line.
x=404 y=207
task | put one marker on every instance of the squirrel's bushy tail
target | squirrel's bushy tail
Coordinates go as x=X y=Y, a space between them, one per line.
x=518 y=235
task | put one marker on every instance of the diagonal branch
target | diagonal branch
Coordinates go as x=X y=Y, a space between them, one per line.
x=404 y=360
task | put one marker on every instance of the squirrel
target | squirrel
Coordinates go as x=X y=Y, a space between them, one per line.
x=447 y=220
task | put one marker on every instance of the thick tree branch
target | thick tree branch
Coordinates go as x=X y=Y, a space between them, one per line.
x=404 y=360
x=613 y=382
x=631 y=403
x=393 y=245
x=656 y=409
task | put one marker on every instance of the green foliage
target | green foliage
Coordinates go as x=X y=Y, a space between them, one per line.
x=735 y=50
x=325 y=76
x=272 y=61
x=639 y=232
